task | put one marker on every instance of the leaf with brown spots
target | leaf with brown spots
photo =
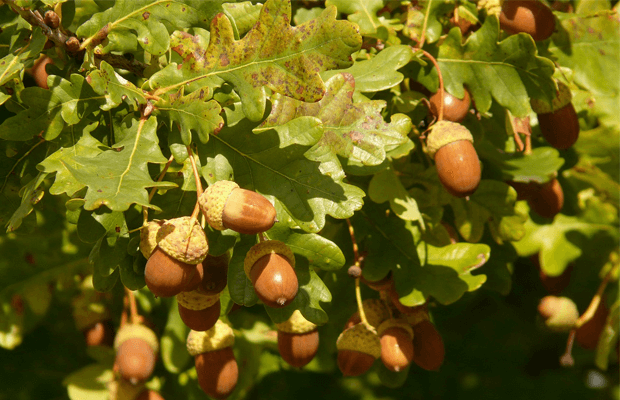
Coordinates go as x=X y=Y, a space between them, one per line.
x=273 y=54
x=355 y=131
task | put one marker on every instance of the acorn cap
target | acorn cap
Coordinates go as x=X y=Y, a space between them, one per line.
x=444 y=132
x=562 y=98
x=296 y=324
x=261 y=249
x=492 y=7
x=148 y=237
x=195 y=300
x=129 y=331
x=376 y=311
x=213 y=200
x=174 y=239
x=395 y=323
x=216 y=338
x=360 y=337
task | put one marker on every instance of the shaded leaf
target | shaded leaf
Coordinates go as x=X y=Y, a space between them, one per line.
x=385 y=186
x=173 y=348
x=272 y=54
x=239 y=285
x=89 y=382
x=116 y=89
x=12 y=65
x=539 y=166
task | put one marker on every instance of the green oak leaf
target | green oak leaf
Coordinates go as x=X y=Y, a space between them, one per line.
x=312 y=291
x=418 y=269
x=306 y=190
x=31 y=195
x=539 y=166
x=432 y=12
x=90 y=382
x=589 y=44
x=173 y=341
x=355 y=131
x=378 y=73
x=385 y=186
x=116 y=89
x=116 y=177
x=12 y=64
x=492 y=202
x=271 y=55
x=564 y=241
x=319 y=252
x=193 y=112
x=243 y=15
x=145 y=22
x=509 y=71
x=42 y=117
x=362 y=12
x=609 y=337
x=239 y=285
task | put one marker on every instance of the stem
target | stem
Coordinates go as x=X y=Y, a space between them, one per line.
x=195 y=170
x=358 y=297
x=145 y=211
x=423 y=36
x=133 y=308
x=434 y=61
x=356 y=255
x=567 y=359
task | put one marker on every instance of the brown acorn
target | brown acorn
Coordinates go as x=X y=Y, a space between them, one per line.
x=358 y=348
x=384 y=283
x=528 y=16
x=215 y=276
x=396 y=344
x=172 y=265
x=553 y=284
x=215 y=361
x=149 y=395
x=199 y=311
x=525 y=190
x=136 y=352
x=558 y=122
x=270 y=266
x=589 y=333
x=298 y=340
x=458 y=166
x=548 y=200
x=428 y=348
x=99 y=334
x=454 y=109
x=38 y=71
x=227 y=206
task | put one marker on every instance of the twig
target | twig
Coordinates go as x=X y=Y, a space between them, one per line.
x=441 y=88
x=358 y=292
x=423 y=36
x=121 y=61
x=145 y=211
x=133 y=308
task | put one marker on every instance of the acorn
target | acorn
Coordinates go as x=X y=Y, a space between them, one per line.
x=553 y=284
x=298 y=340
x=136 y=351
x=396 y=344
x=172 y=264
x=428 y=347
x=227 y=206
x=215 y=361
x=92 y=316
x=558 y=122
x=454 y=109
x=270 y=266
x=531 y=17
x=384 y=283
x=458 y=166
x=358 y=348
x=588 y=334
x=199 y=311
x=215 y=276
x=148 y=237
x=525 y=190
x=375 y=310
x=548 y=200
x=559 y=313
x=38 y=71
x=149 y=395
